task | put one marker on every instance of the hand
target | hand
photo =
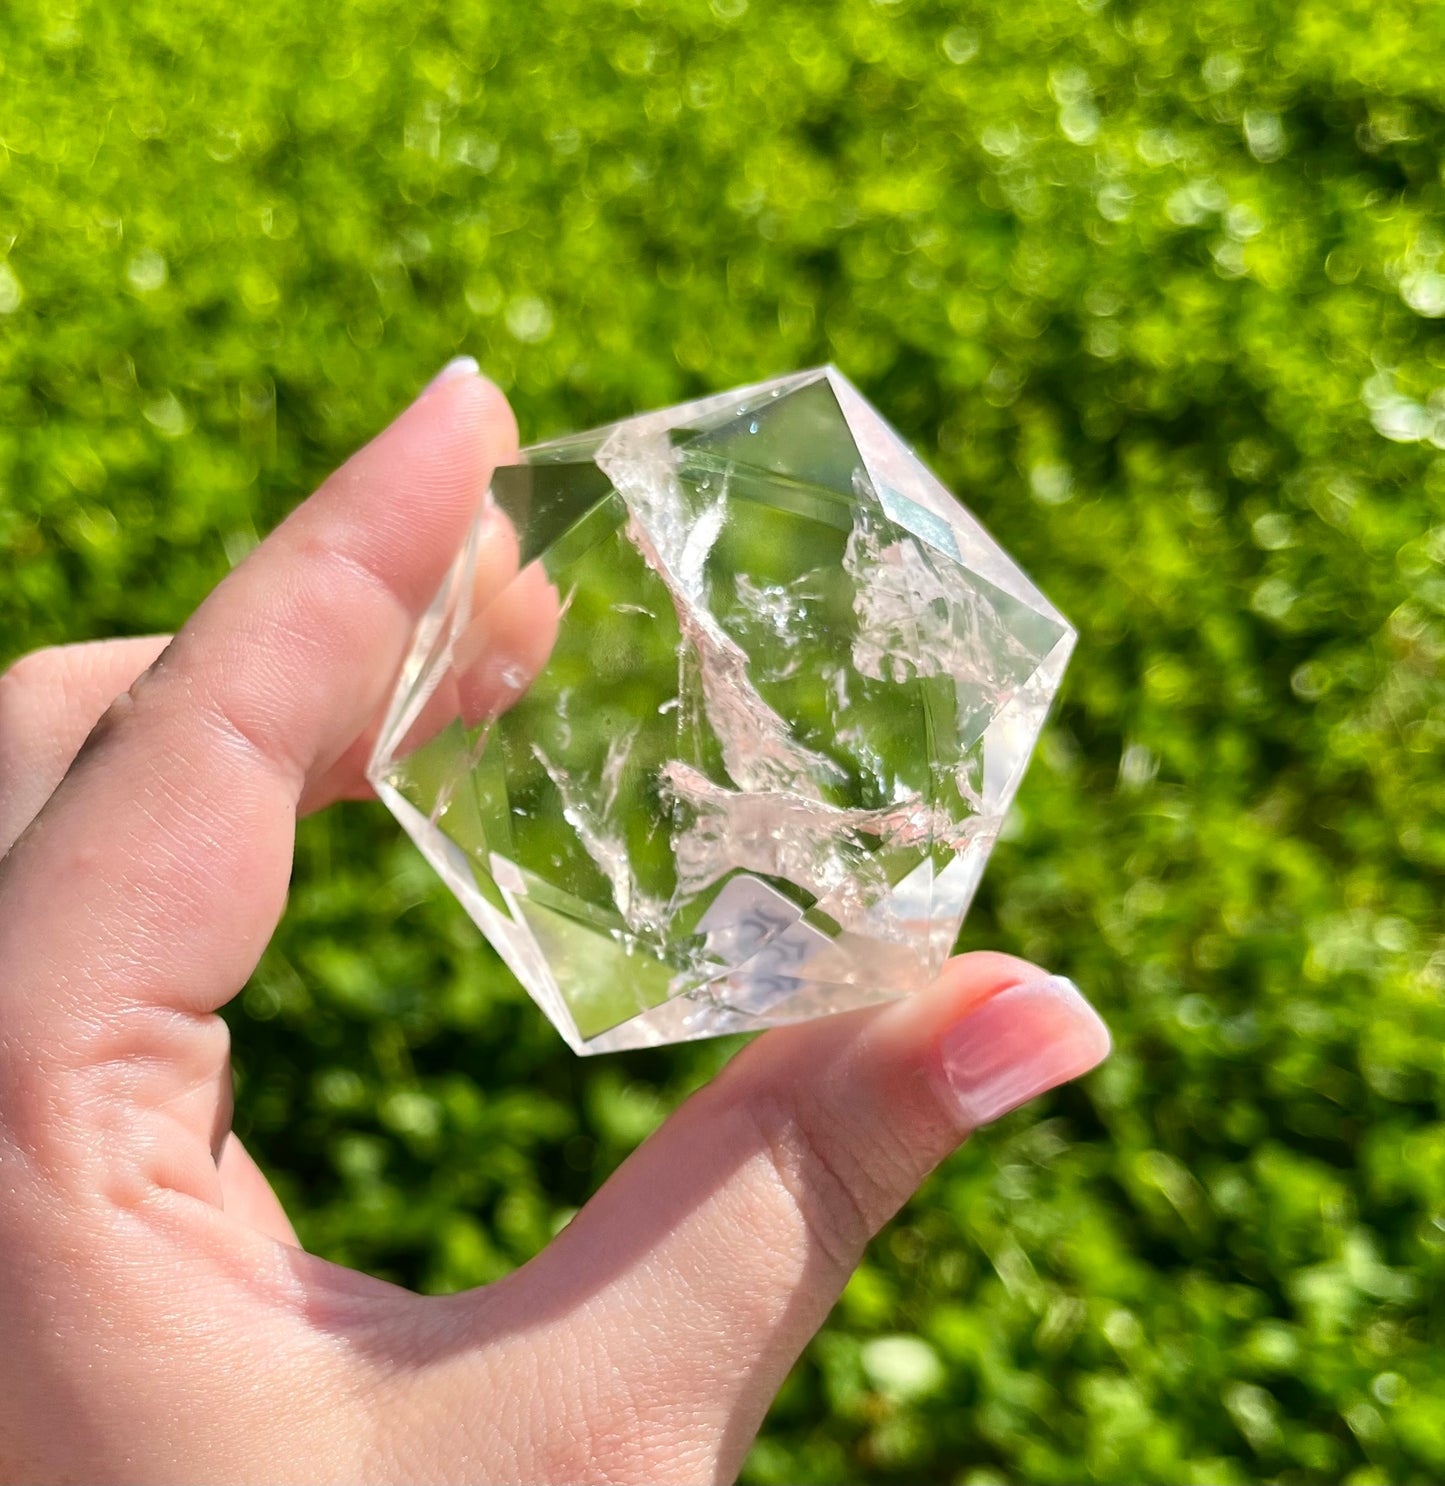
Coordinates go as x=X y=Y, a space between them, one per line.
x=159 y=1320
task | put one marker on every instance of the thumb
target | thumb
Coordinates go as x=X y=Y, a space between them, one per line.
x=697 y=1275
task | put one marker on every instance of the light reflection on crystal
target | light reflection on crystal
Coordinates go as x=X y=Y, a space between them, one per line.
x=714 y=722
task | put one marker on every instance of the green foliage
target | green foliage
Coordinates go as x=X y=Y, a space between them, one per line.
x=1159 y=289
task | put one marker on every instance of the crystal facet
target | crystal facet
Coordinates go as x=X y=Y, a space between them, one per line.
x=717 y=716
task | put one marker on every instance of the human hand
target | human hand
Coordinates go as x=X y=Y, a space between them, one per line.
x=159 y=1320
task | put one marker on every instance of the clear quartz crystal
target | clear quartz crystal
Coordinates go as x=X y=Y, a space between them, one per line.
x=716 y=717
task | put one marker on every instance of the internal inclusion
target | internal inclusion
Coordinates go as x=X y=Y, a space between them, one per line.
x=772 y=852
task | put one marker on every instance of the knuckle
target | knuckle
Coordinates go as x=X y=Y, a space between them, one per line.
x=618 y=1434
x=32 y=697
x=138 y=700
x=27 y=690
x=21 y=683
x=565 y=1456
x=828 y=1183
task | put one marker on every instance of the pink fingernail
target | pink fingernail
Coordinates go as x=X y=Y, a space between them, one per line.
x=460 y=366
x=1017 y=1044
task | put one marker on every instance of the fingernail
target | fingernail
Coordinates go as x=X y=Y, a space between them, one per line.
x=1017 y=1044
x=460 y=366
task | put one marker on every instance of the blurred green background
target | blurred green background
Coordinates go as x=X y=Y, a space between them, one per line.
x=1159 y=290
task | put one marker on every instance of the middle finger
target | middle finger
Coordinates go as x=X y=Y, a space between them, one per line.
x=49 y=702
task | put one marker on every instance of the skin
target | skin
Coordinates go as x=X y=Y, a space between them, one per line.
x=160 y=1321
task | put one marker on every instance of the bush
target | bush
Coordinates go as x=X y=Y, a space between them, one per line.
x=1159 y=290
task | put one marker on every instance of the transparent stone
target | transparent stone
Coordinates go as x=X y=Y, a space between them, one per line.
x=715 y=720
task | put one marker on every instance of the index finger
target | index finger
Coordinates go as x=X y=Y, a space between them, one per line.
x=142 y=895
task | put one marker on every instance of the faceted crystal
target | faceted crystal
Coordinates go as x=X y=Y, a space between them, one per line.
x=717 y=716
